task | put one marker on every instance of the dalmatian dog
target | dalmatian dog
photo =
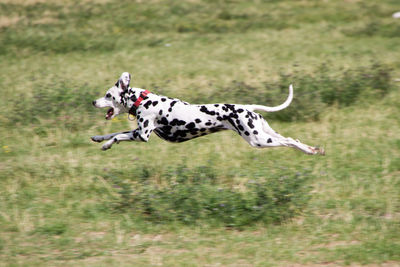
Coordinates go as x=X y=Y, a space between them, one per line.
x=177 y=121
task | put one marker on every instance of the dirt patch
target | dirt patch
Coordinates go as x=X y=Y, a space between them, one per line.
x=335 y=244
x=8 y=21
x=45 y=20
x=332 y=264
x=58 y=2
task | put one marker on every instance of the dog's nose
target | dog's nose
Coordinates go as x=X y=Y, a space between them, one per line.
x=94 y=103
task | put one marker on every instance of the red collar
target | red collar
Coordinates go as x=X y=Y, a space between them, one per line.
x=141 y=97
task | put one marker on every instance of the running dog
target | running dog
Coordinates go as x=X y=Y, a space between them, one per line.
x=178 y=121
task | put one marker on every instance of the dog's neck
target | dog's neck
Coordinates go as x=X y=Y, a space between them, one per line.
x=130 y=96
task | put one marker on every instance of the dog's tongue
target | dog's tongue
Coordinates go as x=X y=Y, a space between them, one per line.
x=110 y=112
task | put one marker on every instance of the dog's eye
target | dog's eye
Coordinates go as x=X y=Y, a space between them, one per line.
x=108 y=95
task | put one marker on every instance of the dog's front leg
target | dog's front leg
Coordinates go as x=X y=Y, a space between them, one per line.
x=136 y=135
x=116 y=139
x=101 y=138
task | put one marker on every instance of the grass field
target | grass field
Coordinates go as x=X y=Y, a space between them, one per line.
x=214 y=201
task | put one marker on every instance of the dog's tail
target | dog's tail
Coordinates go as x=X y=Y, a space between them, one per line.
x=273 y=109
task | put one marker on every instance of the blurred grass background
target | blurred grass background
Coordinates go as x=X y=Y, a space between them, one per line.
x=215 y=200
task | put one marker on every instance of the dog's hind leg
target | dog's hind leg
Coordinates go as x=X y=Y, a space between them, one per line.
x=269 y=138
x=265 y=140
x=310 y=150
x=290 y=142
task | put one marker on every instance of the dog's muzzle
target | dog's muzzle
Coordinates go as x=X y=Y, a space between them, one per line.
x=110 y=113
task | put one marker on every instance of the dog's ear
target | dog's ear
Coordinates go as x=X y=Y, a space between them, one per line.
x=124 y=81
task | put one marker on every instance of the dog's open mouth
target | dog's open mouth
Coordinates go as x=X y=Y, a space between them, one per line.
x=109 y=114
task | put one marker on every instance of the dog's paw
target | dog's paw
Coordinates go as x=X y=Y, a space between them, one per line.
x=97 y=138
x=321 y=151
x=107 y=145
x=104 y=147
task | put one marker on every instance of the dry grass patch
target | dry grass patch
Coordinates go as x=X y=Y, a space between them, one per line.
x=58 y=2
x=8 y=21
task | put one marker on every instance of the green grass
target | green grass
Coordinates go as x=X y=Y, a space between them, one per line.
x=214 y=200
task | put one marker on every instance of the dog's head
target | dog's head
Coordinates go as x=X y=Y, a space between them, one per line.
x=114 y=98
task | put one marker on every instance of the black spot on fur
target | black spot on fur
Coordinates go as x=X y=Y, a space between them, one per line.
x=269 y=140
x=205 y=110
x=163 y=121
x=216 y=129
x=147 y=104
x=161 y=134
x=167 y=129
x=181 y=133
x=251 y=115
x=194 y=132
x=155 y=103
x=133 y=98
x=255 y=132
x=240 y=110
x=250 y=123
x=191 y=125
x=146 y=123
x=234 y=115
x=197 y=120
x=163 y=99
x=173 y=103
x=234 y=125
x=230 y=107
x=246 y=133
x=177 y=122
x=160 y=113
